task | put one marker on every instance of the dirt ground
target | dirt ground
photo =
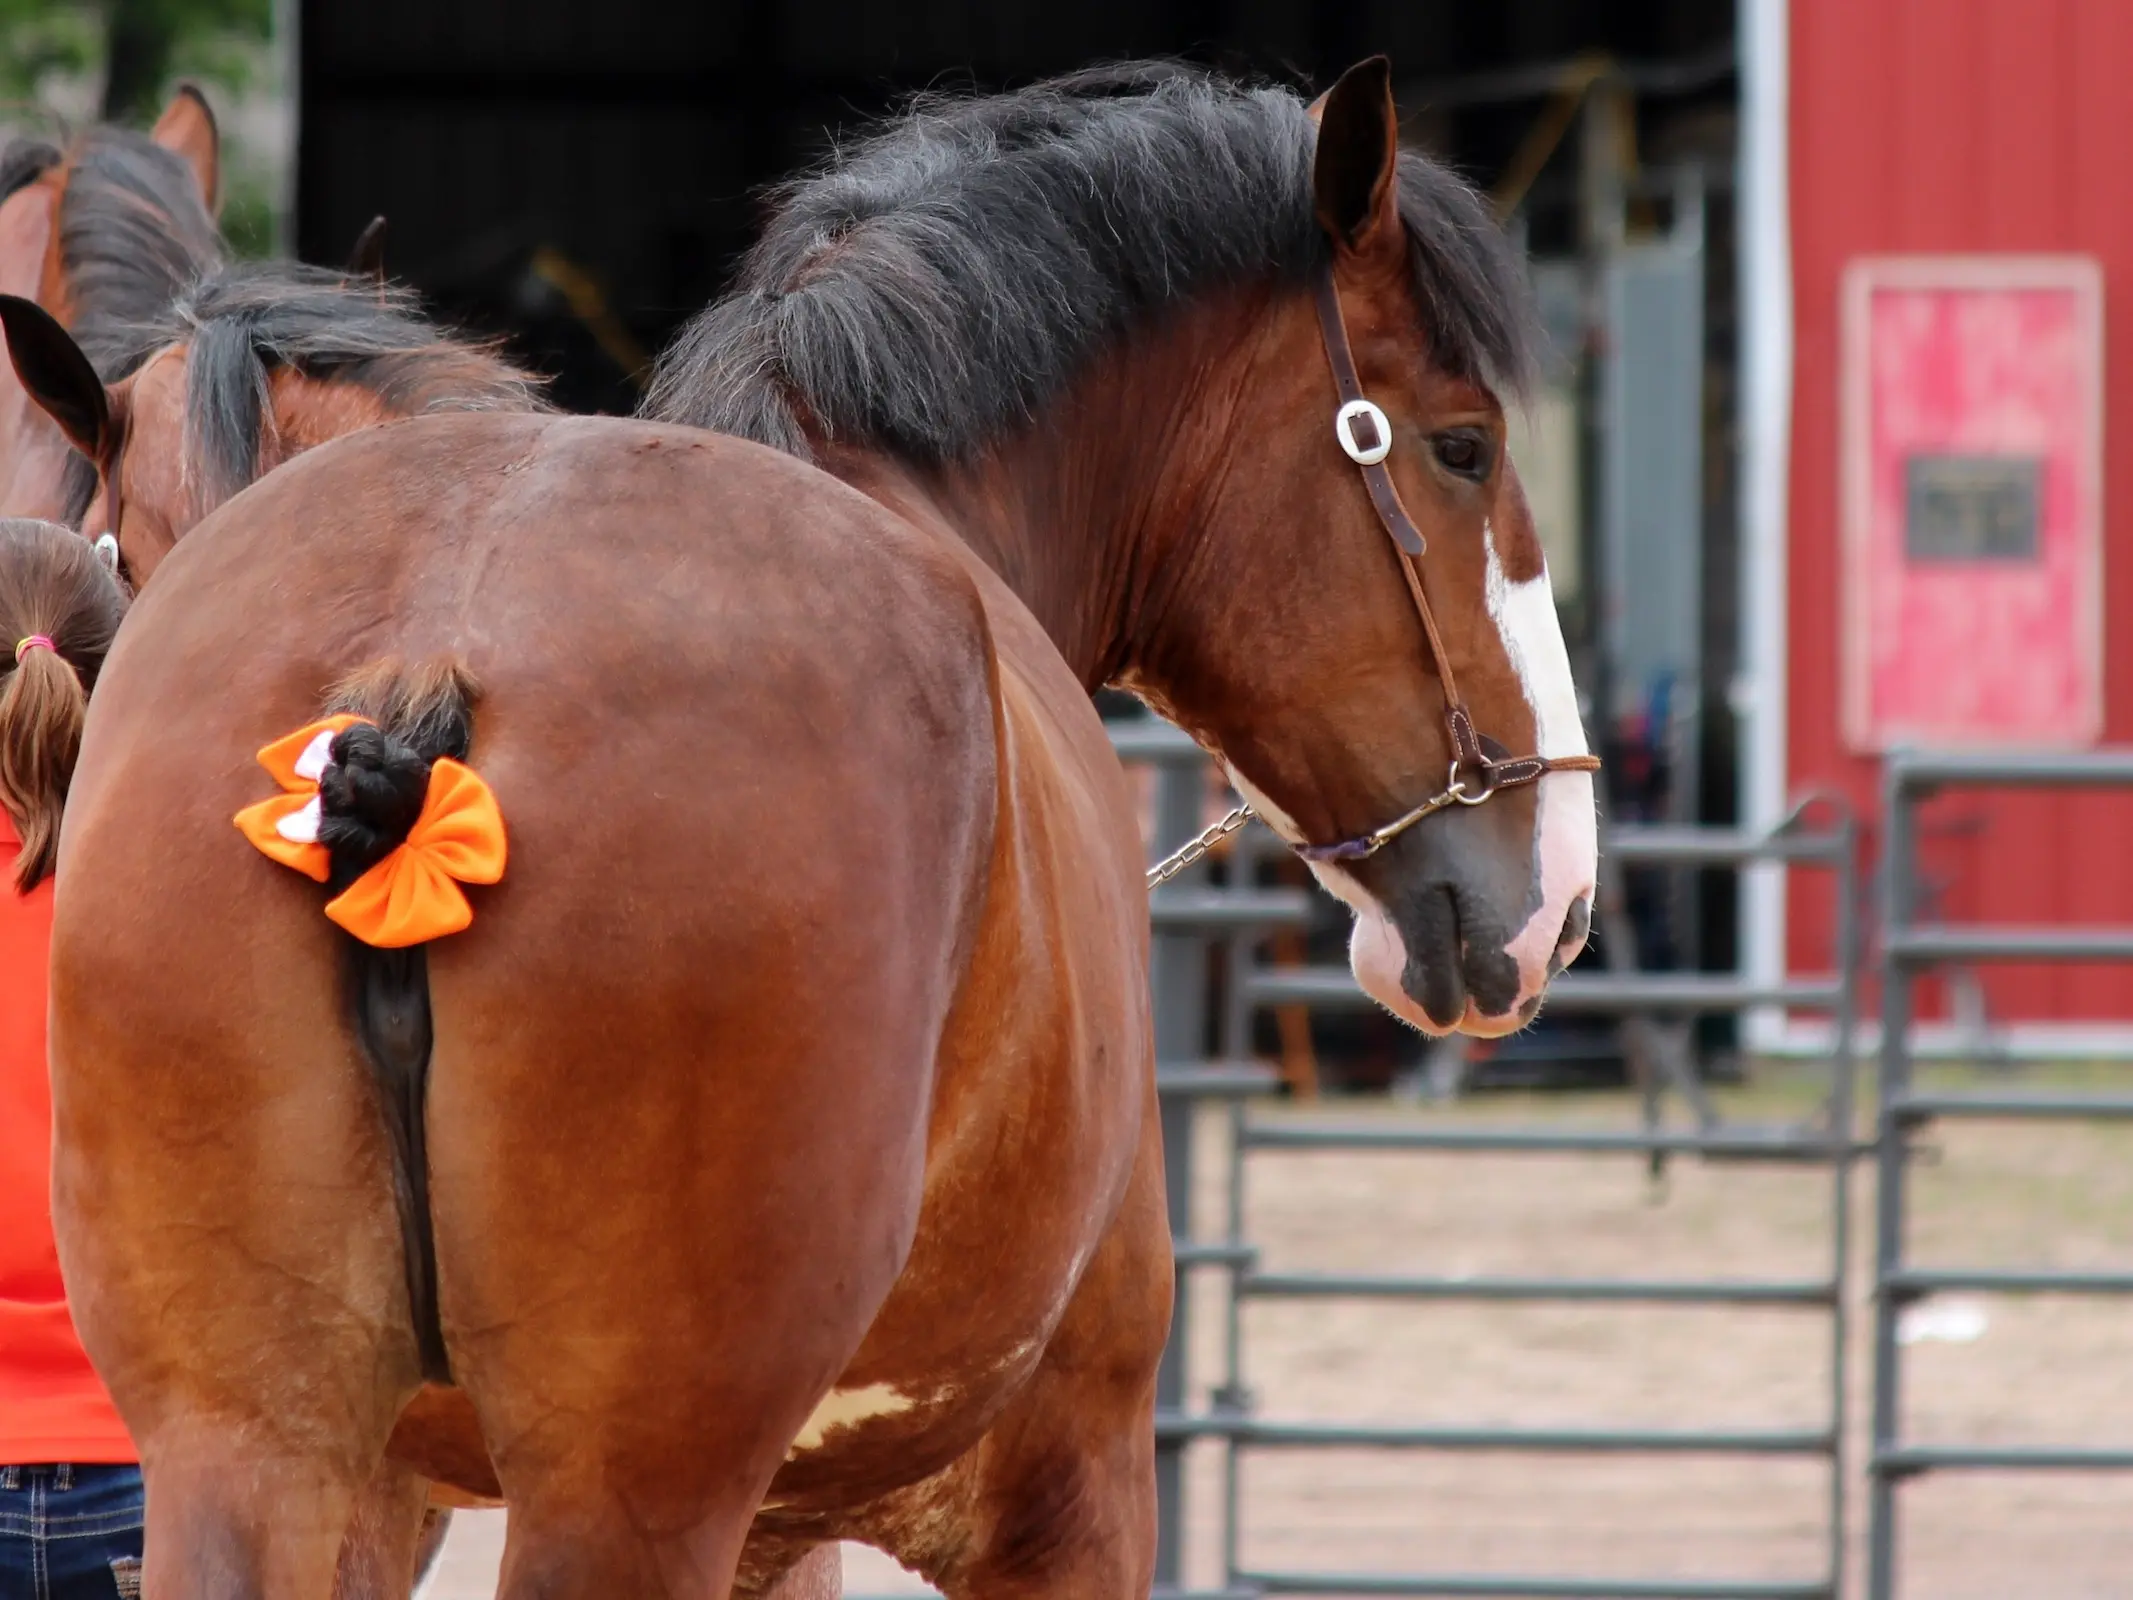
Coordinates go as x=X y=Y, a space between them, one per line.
x=2018 y=1369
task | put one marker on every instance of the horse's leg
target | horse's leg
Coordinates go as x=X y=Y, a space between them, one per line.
x=222 y=1199
x=382 y=1555
x=429 y=1542
x=818 y=1575
x=236 y=1529
x=663 y=1230
x=1062 y=1501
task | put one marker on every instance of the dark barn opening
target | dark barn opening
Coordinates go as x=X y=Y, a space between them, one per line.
x=580 y=176
x=625 y=137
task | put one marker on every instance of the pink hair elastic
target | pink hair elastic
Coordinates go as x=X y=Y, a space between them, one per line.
x=36 y=641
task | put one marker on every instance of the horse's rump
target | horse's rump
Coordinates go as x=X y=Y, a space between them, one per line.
x=704 y=727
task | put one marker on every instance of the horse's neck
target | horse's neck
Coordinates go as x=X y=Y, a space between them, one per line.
x=1067 y=571
x=1089 y=514
x=310 y=411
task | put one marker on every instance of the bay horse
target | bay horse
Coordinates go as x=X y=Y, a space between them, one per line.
x=102 y=232
x=246 y=367
x=773 y=1159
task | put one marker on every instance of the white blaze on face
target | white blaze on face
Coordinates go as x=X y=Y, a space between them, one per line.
x=1567 y=845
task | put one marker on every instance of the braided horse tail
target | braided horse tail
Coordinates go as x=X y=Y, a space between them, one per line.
x=370 y=799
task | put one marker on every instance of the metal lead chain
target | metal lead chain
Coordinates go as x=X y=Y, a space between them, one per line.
x=1191 y=851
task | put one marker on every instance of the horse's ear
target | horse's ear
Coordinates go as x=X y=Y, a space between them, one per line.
x=367 y=259
x=57 y=375
x=1355 y=175
x=187 y=129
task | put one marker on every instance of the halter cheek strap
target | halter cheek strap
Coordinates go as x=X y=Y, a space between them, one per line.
x=1364 y=434
x=1474 y=777
x=113 y=470
x=1385 y=500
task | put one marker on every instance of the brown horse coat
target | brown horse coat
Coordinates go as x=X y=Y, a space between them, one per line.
x=712 y=960
x=791 y=1163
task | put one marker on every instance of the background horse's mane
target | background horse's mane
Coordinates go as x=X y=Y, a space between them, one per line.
x=133 y=231
x=248 y=320
x=934 y=284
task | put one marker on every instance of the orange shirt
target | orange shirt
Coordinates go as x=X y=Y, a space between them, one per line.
x=52 y=1405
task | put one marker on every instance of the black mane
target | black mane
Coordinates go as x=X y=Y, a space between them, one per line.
x=133 y=231
x=245 y=321
x=938 y=282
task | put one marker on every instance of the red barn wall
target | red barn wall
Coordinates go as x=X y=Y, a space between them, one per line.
x=1961 y=126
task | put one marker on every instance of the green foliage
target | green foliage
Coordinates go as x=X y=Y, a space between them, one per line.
x=144 y=39
x=248 y=221
x=141 y=44
x=140 y=49
x=39 y=38
x=226 y=57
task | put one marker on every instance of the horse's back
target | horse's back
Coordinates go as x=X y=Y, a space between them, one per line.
x=719 y=693
x=632 y=600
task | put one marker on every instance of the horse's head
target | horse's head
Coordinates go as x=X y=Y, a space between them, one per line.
x=1299 y=648
x=1094 y=327
x=99 y=233
x=248 y=367
x=130 y=434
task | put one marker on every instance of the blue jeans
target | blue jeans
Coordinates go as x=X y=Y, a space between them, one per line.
x=70 y=1533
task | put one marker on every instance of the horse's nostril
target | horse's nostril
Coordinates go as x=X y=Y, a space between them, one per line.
x=1577 y=922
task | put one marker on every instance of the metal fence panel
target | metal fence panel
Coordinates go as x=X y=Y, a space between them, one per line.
x=1233 y=916
x=1909 y=949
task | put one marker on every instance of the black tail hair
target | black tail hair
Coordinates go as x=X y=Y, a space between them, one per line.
x=369 y=798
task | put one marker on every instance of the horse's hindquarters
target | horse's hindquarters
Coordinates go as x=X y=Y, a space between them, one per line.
x=682 y=1067
x=220 y=1191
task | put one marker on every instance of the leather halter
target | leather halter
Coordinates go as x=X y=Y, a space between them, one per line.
x=110 y=474
x=1474 y=777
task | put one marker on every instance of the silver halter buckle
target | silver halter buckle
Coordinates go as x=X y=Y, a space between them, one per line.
x=1344 y=430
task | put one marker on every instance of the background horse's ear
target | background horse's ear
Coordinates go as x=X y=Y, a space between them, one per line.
x=187 y=129
x=367 y=259
x=57 y=375
x=1355 y=174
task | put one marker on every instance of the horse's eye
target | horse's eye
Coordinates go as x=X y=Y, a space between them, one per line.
x=1465 y=451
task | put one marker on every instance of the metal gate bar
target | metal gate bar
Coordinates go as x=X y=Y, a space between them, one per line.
x=1832 y=1144
x=1186 y=918
x=1909 y=948
x=1487 y=1584
x=1742 y=1143
x=1682 y=992
x=1618 y=1291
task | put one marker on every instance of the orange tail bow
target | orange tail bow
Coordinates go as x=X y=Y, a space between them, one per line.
x=410 y=897
x=413 y=895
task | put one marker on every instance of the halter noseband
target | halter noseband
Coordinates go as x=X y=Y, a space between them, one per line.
x=1365 y=437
